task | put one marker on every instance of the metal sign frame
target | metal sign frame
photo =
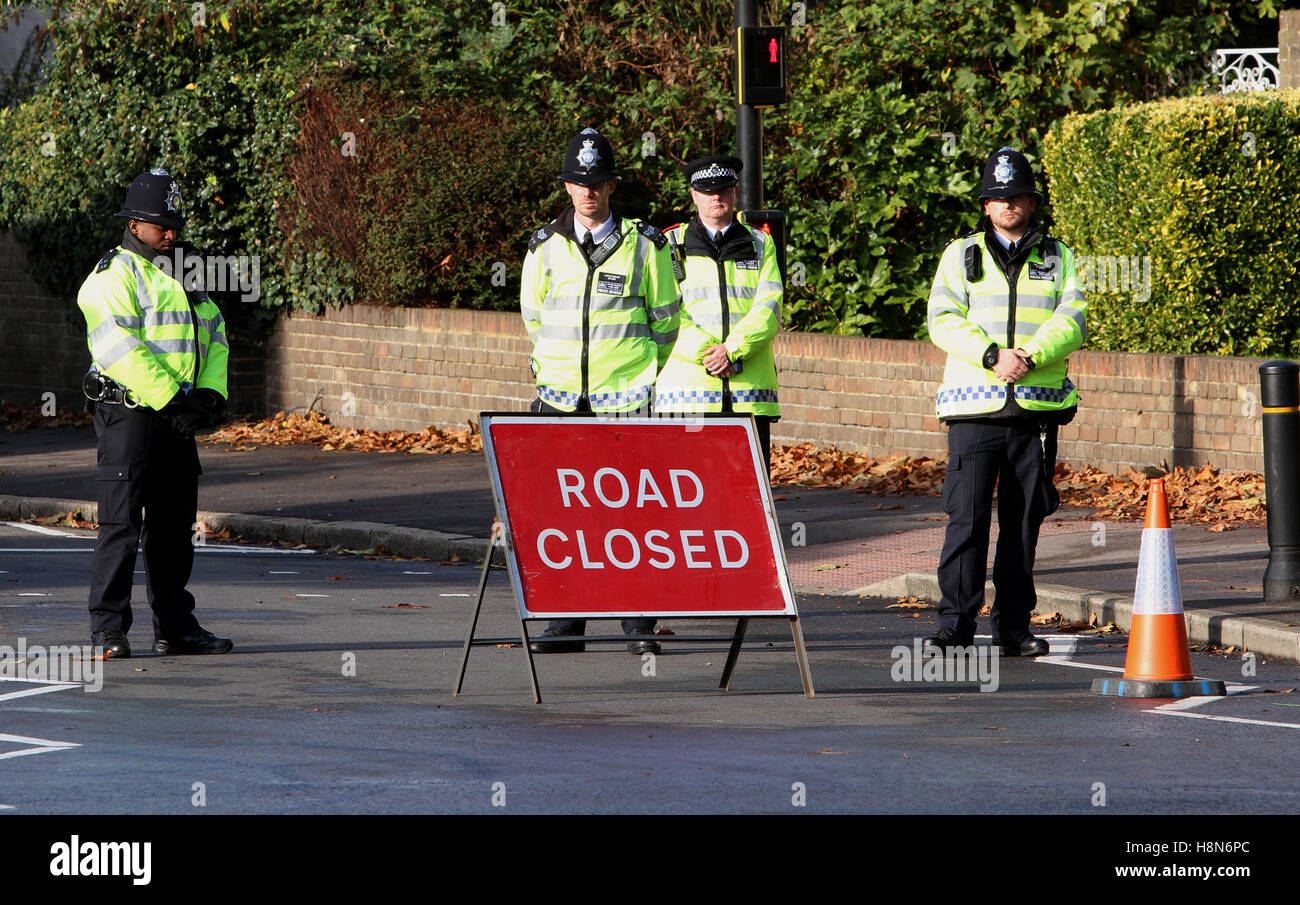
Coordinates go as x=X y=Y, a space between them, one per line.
x=503 y=536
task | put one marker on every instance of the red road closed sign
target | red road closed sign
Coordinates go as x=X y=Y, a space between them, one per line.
x=636 y=516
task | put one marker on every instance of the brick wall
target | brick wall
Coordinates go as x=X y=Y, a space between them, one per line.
x=408 y=368
x=44 y=336
x=44 y=343
x=399 y=368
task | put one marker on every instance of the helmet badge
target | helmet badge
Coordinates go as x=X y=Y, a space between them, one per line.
x=173 y=198
x=1004 y=172
x=588 y=156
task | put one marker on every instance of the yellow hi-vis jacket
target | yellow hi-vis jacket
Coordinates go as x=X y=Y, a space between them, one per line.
x=1043 y=314
x=144 y=332
x=600 y=328
x=731 y=295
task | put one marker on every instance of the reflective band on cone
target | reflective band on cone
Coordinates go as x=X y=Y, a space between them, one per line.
x=1158 y=664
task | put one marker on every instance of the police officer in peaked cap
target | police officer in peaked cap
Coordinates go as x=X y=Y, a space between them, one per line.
x=598 y=298
x=731 y=306
x=159 y=358
x=1007 y=308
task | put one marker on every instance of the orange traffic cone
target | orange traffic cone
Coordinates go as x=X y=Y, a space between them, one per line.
x=1157 y=665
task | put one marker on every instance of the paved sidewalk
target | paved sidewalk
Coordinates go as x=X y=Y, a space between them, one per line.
x=837 y=541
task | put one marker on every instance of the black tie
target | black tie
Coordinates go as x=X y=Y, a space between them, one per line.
x=588 y=244
x=1011 y=250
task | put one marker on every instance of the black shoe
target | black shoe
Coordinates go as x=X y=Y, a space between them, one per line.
x=200 y=641
x=945 y=639
x=1029 y=647
x=113 y=643
x=644 y=647
x=540 y=645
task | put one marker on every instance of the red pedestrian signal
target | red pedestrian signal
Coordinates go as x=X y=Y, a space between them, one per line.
x=760 y=60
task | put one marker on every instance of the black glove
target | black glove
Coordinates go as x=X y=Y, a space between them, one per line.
x=211 y=403
x=175 y=405
x=185 y=414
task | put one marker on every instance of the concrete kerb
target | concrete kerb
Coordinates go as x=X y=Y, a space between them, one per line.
x=1223 y=629
x=400 y=541
x=1260 y=636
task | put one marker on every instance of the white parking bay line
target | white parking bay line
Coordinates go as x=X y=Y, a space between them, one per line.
x=39 y=529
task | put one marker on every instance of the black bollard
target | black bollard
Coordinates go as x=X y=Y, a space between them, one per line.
x=1279 y=383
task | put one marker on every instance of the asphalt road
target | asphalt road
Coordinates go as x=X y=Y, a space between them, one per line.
x=337 y=699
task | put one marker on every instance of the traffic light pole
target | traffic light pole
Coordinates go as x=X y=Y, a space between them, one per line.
x=749 y=128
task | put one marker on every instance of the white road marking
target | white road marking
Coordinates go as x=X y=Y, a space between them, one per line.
x=417 y=573
x=44 y=686
x=1182 y=706
x=1063 y=661
x=201 y=548
x=453 y=595
x=39 y=529
x=310 y=595
x=281 y=573
x=1225 y=719
x=39 y=745
x=31 y=594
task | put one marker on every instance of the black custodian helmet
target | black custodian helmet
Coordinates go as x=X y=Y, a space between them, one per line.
x=589 y=159
x=1008 y=174
x=154 y=197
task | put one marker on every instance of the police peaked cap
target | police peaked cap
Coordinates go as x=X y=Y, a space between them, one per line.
x=709 y=174
x=156 y=198
x=589 y=159
x=1008 y=174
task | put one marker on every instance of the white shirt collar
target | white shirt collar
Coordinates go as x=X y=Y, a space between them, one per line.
x=714 y=234
x=598 y=234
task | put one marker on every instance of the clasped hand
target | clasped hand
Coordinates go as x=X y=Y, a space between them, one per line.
x=1011 y=365
x=716 y=361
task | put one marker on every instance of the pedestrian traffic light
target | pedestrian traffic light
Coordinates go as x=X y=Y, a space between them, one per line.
x=760 y=63
x=773 y=223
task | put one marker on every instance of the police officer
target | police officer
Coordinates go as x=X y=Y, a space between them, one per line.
x=731 y=306
x=1007 y=308
x=599 y=300
x=159 y=373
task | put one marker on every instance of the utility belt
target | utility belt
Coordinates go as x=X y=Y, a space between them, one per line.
x=102 y=388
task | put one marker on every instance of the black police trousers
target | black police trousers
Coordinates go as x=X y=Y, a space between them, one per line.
x=148 y=480
x=1010 y=456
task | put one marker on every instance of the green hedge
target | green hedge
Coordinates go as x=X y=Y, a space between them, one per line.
x=1207 y=189
x=461 y=110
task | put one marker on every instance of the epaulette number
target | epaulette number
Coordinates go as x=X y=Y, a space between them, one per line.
x=653 y=235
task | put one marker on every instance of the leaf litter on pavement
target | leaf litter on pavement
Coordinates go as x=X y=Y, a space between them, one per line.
x=312 y=427
x=1205 y=495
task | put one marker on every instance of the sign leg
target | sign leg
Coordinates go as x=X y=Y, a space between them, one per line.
x=473 y=623
x=532 y=668
x=741 y=624
x=802 y=653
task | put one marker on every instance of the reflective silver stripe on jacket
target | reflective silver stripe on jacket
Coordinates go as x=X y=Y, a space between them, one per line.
x=142 y=297
x=598 y=331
